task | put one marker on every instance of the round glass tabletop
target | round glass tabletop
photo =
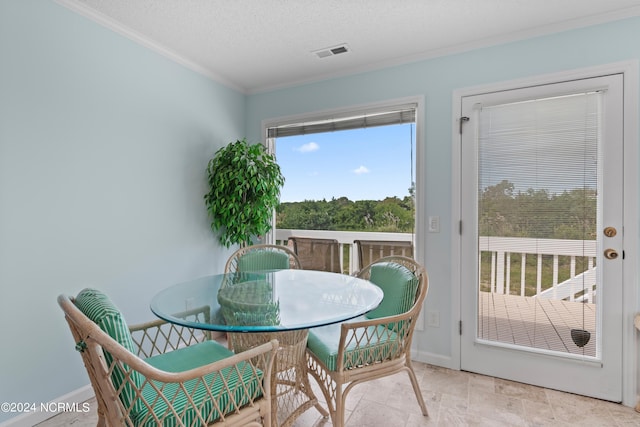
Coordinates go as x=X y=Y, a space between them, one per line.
x=266 y=301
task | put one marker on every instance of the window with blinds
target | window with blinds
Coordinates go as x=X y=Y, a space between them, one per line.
x=537 y=189
x=348 y=171
x=539 y=149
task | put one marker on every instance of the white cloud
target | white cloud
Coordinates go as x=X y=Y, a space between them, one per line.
x=308 y=147
x=361 y=170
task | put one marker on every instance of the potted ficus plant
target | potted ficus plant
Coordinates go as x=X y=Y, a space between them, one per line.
x=244 y=189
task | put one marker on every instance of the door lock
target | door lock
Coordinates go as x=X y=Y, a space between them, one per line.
x=610 y=254
x=610 y=231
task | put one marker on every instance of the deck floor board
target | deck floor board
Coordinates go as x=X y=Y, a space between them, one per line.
x=533 y=322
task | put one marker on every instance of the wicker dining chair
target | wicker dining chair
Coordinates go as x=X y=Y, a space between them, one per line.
x=290 y=383
x=317 y=254
x=372 y=250
x=160 y=374
x=376 y=345
x=262 y=257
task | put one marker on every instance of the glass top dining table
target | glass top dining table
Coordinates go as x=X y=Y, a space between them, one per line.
x=267 y=301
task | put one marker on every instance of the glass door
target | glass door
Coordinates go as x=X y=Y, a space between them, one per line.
x=541 y=242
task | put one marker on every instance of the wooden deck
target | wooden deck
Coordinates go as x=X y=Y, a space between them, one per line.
x=533 y=322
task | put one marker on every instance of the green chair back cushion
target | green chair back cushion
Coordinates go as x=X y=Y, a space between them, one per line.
x=98 y=307
x=191 y=357
x=263 y=259
x=399 y=286
x=324 y=341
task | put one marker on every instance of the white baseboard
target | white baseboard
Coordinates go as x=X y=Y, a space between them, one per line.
x=433 y=359
x=29 y=419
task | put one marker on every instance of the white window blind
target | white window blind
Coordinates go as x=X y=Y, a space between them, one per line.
x=354 y=120
x=538 y=184
x=543 y=148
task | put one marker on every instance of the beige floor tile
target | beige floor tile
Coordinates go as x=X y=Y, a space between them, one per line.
x=446 y=381
x=624 y=416
x=496 y=407
x=537 y=413
x=481 y=384
x=453 y=399
x=422 y=421
x=311 y=418
x=395 y=395
x=451 y=417
x=372 y=414
x=521 y=391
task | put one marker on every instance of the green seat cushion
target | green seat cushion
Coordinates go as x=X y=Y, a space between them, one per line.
x=323 y=342
x=263 y=259
x=98 y=307
x=188 y=358
x=399 y=286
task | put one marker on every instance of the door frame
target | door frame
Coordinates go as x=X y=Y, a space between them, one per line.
x=630 y=306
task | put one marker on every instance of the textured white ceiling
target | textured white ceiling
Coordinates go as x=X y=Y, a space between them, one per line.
x=255 y=45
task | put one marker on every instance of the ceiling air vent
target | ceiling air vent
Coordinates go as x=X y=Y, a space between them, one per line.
x=332 y=51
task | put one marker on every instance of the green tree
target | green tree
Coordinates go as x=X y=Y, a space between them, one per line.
x=537 y=213
x=496 y=207
x=342 y=214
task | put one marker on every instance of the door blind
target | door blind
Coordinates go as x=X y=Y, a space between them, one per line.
x=535 y=152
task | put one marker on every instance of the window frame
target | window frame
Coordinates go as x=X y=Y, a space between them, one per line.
x=371 y=108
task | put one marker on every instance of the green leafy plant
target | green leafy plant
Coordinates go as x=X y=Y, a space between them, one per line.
x=244 y=182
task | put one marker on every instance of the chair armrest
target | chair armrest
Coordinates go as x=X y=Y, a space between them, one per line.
x=159 y=336
x=197 y=312
x=345 y=326
x=264 y=354
x=374 y=340
x=135 y=363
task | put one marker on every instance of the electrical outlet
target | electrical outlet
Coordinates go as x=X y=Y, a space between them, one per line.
x=433 y=319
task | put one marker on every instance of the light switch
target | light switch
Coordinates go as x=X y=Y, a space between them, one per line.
x=434 y=224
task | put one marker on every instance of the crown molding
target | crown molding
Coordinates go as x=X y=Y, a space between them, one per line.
x=464 y=47
x=108 y=22
x=82 y=9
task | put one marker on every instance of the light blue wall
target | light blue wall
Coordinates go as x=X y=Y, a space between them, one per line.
x=103 y=146
x=436 y=79
x=103 y=149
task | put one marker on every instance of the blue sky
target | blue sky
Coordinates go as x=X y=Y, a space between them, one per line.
x=360 y=164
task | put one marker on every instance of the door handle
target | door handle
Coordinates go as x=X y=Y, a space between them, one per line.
x=610 y=254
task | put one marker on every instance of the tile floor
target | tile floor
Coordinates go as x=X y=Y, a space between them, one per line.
x=453 y=398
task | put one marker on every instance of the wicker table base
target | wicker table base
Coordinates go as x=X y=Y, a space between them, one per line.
x=291 y=388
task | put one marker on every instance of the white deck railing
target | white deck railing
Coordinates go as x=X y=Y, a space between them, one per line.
x=580 y=286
